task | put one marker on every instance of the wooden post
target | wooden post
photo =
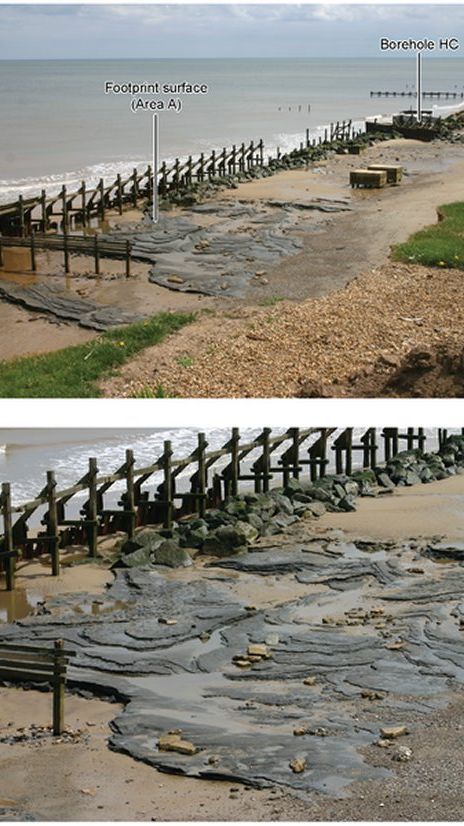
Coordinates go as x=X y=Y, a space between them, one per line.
x=101 y=188
x=167 y=485
x=266 y=459
x=234 y=461
x=135 y=187
x=421 y=439
x=52 y=523
x=1 y=251
x=58 y=688
x=202 y=480
x=338 y=459
x=22 y=225
x=64 y=207
x=261 y=152
x=163 y=180
x=242 y=157
x=212 y=168
x=222 y=166
x=119 y=193
x=307 y=139
x=96 y=252
x=349 y=451
x=66 y=252
x=176 y=174
x=295 y=451
x=201 y=168
x=189 y=170
x=43 y=206
x=130 y=501
x=92 y=527
x=128 y=258
x=33 y=260
x=251 y=157
x=149 y=182
x=234 y=159
x=10 y=563
x=84 y=203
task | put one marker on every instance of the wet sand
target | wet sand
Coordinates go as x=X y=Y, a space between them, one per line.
x=421 y=510
x=34 y=584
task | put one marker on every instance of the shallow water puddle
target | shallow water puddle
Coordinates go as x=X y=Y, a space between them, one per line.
x=17 y=604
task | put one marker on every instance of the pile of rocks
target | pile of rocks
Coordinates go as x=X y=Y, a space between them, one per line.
x=242 y=519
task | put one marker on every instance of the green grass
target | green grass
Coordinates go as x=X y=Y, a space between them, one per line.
x=185 y=361
x=440 y=245
x=146 y=392
x=271 y=300
x=75 y=371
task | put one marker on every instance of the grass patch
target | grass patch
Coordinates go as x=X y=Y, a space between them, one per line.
x=158 y=392
x=75 y=371
x=440 y=245
x=271 y=300
x=185 y=361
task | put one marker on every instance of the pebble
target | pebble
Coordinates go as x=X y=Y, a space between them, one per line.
x=392 y=732
x=402 y=755
x=310 y=681
x=298 y=765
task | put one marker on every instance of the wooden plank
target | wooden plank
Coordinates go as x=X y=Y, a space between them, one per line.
x=42 y=665
x=21 y=674
x=35 y=649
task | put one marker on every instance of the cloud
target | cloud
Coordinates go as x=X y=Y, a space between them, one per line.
x=229 y=30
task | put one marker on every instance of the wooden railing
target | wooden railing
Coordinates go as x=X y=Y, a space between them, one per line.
x=27 y=663
x=91 y=246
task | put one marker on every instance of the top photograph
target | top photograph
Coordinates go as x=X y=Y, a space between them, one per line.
x=231 y=201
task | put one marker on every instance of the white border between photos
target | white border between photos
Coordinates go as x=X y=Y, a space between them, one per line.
x=204 y=413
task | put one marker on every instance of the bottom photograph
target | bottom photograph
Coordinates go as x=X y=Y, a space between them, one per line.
x=232 y=624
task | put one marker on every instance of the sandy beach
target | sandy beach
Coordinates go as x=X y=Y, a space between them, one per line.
x=422 y=788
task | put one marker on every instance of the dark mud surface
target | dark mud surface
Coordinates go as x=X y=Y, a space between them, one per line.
x=53 y=300
x=223 y=258
x=377 y=637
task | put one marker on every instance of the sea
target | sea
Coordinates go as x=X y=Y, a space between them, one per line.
x=59 y=127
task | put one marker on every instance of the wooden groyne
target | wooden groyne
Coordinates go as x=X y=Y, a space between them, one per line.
x=412 y=94
x=212 y=477
x=66 y=212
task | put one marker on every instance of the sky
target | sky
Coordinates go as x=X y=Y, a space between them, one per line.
x=176 y=31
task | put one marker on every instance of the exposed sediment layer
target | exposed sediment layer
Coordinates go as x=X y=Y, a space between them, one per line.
x=63 y=304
